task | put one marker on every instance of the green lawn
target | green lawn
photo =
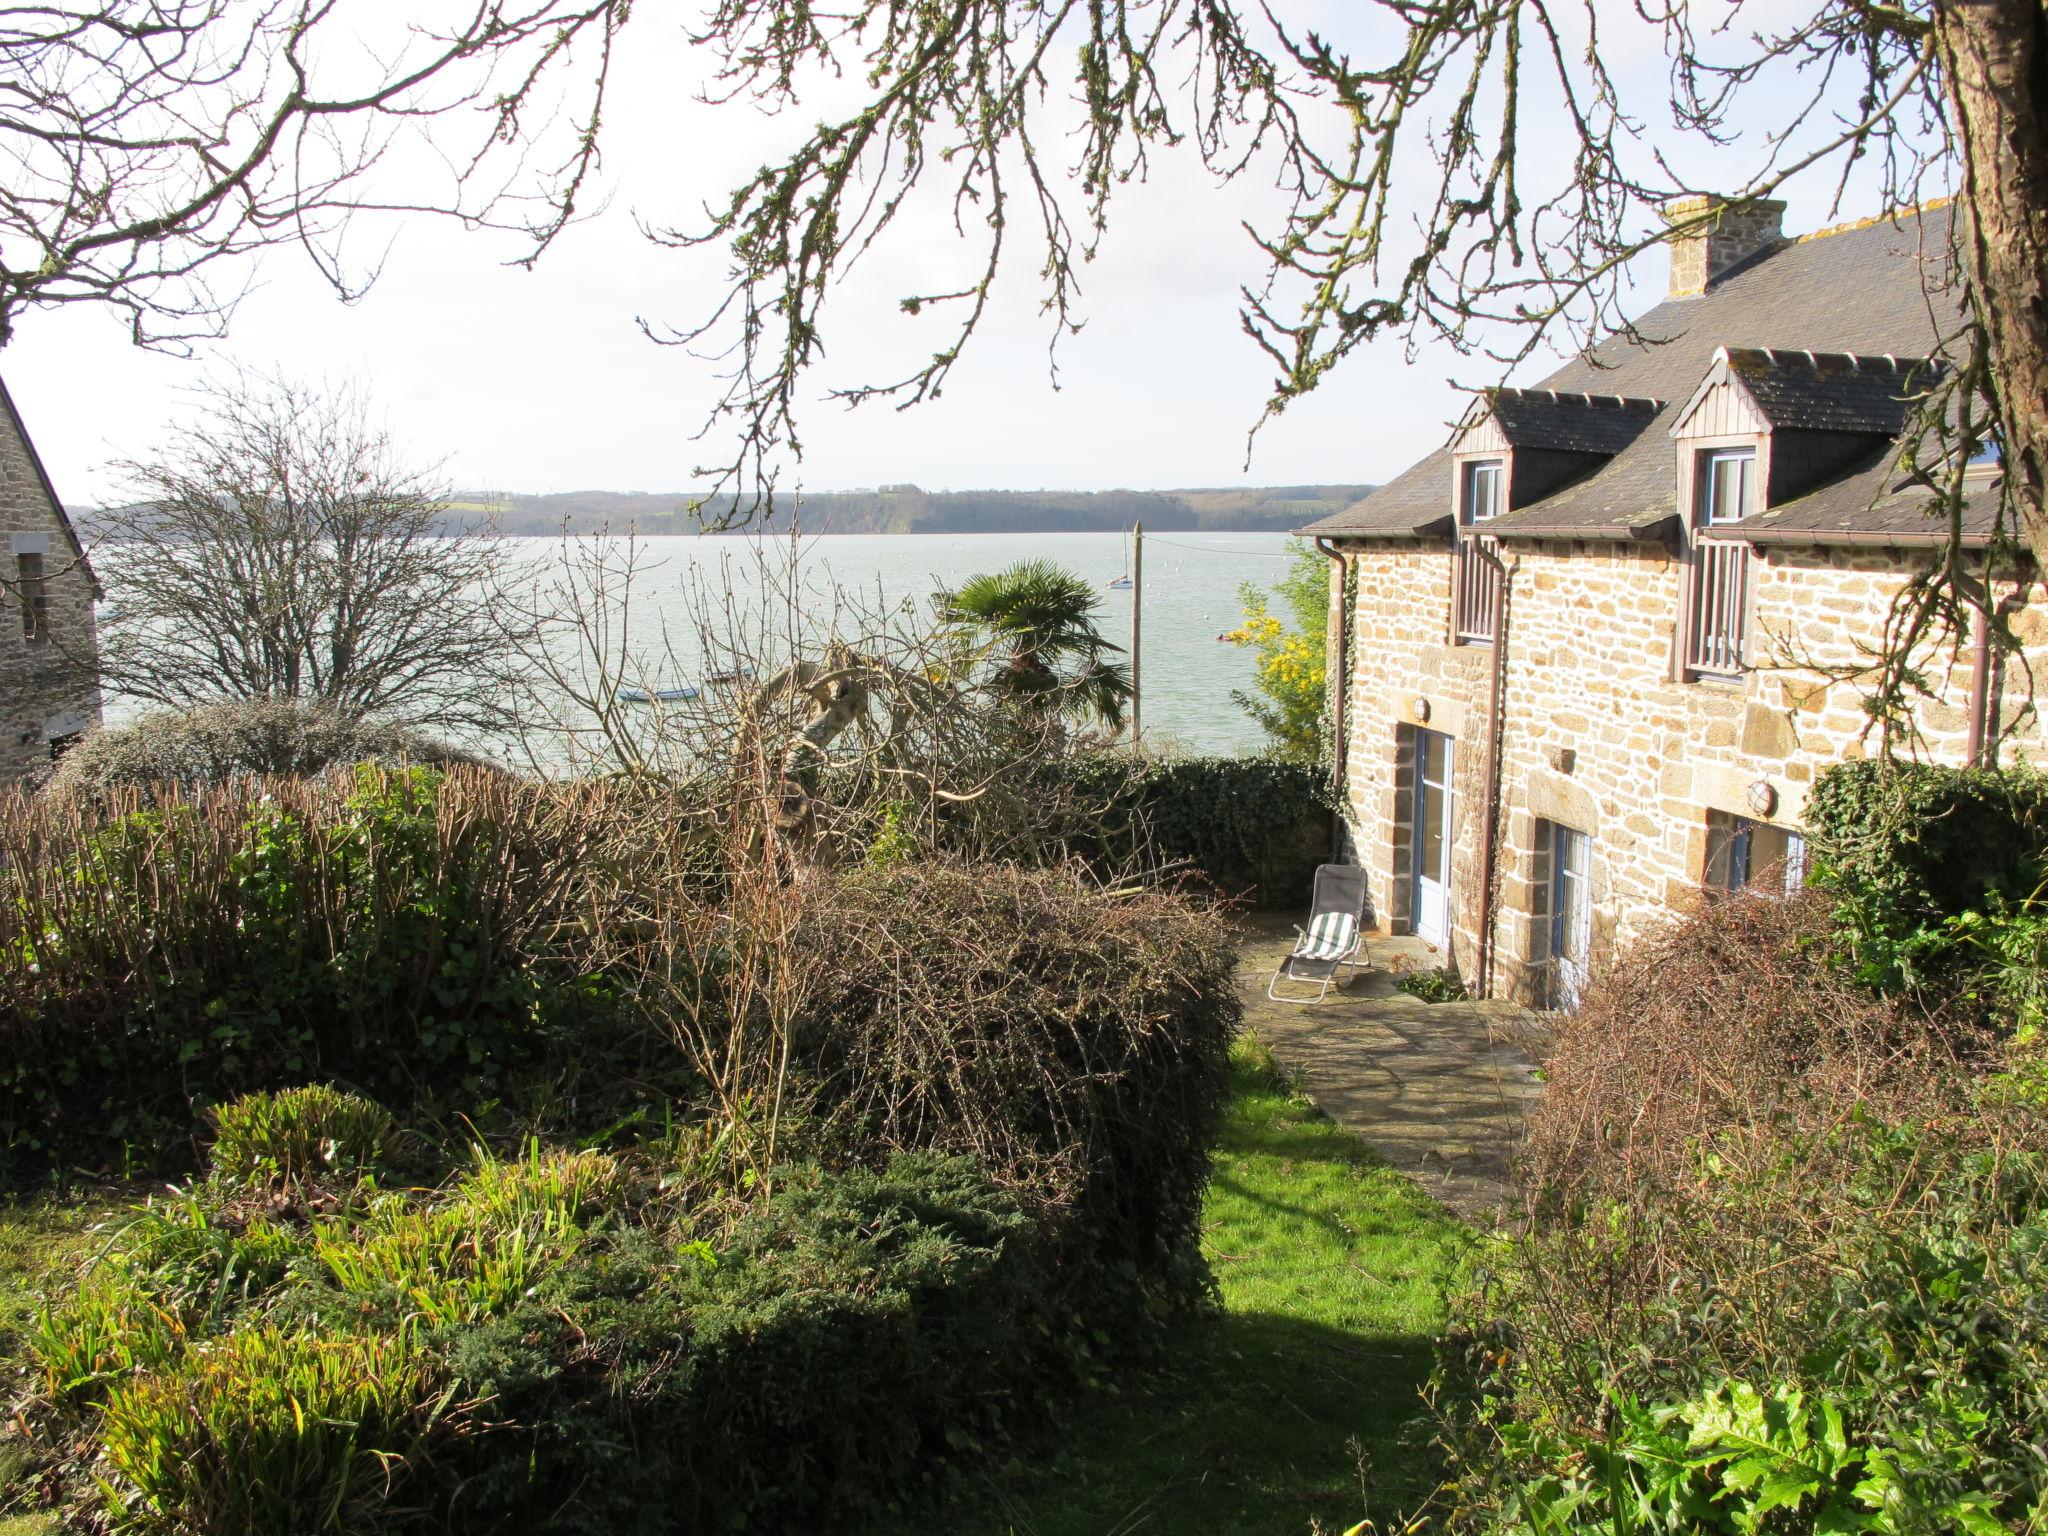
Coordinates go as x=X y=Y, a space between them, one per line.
x=1300 y=1404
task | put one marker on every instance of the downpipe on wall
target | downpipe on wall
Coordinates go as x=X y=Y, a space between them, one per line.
x=1489 y=551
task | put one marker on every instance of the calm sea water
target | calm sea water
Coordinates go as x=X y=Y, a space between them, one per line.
x=1190 y=596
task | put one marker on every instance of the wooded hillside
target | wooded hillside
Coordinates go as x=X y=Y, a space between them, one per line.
x=907 y=509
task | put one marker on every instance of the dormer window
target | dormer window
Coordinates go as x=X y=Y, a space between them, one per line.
x=1717 y=608
x=1727 y=486
x=1482 y=496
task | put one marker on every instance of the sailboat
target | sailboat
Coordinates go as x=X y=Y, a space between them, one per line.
x=1123 y=582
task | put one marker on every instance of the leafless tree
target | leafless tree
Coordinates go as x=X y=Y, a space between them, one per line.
x=1533 y=173
x=147 y=138
x=279 y=546
x=144 y=140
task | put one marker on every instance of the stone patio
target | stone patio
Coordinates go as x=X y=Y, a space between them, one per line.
x=1438 y=1089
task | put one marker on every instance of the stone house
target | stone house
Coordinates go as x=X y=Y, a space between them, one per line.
x=1594 y=651
x=49 y=648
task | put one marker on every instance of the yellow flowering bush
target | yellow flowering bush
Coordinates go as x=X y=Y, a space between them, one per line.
x=1291 y=698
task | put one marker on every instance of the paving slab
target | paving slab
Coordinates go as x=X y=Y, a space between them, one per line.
x=1441 y=1090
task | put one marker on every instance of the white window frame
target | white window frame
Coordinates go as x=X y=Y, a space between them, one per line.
x=1717 y=600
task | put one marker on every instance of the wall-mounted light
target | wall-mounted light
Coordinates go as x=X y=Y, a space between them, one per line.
x=1419 y=708
x=1763 y=799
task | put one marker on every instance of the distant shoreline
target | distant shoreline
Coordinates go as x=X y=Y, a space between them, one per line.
x=898 y=509
x=907 y=509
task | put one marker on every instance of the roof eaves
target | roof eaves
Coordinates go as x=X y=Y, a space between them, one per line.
x=1894 y=538
x=1433 y=528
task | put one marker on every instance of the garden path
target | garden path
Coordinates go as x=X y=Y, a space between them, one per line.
x=1441 y=1090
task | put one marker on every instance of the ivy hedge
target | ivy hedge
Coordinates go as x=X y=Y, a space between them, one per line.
x=1256 y=826
x=1921 y=842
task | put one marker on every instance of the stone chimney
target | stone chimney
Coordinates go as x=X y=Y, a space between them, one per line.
x=1718 y=235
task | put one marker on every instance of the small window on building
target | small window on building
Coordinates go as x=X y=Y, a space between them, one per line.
x=1717 y=601
x=34 y=592
x=59 y=745
x=1753 y=855
x=1476 y=601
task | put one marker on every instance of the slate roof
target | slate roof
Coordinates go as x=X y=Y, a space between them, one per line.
x=1872 y=504
x=1833 y=391
x=1576 y=423
x=1870 y=289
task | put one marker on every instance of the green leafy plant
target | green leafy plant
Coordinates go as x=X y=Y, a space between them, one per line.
x=268 y=1430
x=1902 y=847
x=301 y=1133
x=1437 y=984
x=1035 y=625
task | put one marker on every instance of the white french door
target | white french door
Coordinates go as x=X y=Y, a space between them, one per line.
x=1571 y=914
x=1432 y=823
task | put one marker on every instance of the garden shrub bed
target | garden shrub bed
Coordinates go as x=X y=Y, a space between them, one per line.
x=553 y=1188
x=557 y=1341
x=416 y=936
x=1787 y=1207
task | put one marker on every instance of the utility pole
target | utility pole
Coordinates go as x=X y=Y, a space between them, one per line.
x=1137 y=621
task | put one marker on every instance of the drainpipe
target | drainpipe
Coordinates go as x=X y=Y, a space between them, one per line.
x=1489 y=551
x=1336 y=655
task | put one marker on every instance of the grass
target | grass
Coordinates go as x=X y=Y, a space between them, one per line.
x=42 y=1243
x=1297 y=1407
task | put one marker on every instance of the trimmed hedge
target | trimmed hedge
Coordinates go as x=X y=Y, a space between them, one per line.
x=236 y=739
x=1075 y=1044
x=857 y=1334
x=1257 y=826
x=1924 y=842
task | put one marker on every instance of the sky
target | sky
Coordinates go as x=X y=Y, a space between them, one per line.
x=537 y=381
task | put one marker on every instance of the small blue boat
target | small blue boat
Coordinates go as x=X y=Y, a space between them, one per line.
x=683 y=693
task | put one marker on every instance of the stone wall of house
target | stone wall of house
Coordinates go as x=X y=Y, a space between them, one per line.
x=49 y=686
x=1601 y=736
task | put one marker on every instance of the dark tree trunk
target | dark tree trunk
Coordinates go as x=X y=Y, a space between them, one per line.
x=1994 y=55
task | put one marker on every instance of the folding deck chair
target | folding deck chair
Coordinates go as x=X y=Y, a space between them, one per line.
x=1333 y=937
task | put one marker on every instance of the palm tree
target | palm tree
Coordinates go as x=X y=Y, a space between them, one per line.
x=1040 y=621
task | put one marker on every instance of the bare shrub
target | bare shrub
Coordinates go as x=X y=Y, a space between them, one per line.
x=1729 y=1114
x=1731 y=1025
x=1070 y=1038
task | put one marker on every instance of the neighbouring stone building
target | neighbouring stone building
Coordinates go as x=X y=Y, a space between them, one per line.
x=49 y=650
x=1595 y=650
